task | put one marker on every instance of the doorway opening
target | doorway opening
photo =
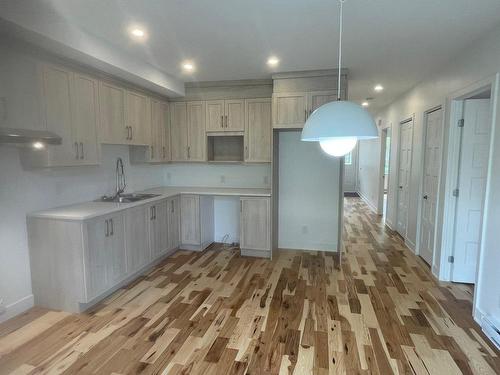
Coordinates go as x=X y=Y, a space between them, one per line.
x=385 y=168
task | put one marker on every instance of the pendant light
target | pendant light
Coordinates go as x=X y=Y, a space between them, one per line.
x=337 y=126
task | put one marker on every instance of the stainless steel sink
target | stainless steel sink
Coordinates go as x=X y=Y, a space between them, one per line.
x=126 y=198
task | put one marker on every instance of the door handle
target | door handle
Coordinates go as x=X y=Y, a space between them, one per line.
x=76 y=151
x=81 y=151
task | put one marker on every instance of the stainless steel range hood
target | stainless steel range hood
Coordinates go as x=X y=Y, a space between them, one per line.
x=23 y=136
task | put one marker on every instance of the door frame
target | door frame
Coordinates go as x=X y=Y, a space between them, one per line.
x=421 y=182
x=384 y=133
x=455 y=103
x=411 y=119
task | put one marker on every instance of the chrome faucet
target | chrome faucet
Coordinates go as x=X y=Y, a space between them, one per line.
x=120 y=178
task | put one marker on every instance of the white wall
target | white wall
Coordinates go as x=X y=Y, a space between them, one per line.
x=22 y=192
x=369 y=172
x=477 y=62
x=308 y=195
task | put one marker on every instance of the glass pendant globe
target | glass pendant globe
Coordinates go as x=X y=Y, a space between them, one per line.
x=338 y=146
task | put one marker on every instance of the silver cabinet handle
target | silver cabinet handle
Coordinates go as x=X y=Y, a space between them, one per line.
x=126 y=128
x=246 y=152
x=164 y=153
x=107 y=228
x=226 y=121
x=154 y=207
x=112 y=227
x=189 y=152
x=172 y=206
x=81 y=151
x=152 y=152
x=305 y=114
x=222 y=121
x=131 y=132
x=76 y=151
x=151 y=213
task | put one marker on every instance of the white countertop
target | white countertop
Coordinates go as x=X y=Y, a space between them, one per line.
x=88 y=210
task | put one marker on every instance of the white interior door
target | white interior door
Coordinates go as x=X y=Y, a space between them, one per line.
x=432 y=170
x=404 y=174
x=351 y=171
x=474 y=154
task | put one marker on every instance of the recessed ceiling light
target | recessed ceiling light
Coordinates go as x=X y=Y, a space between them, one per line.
x=273 y=61
x=188 y=66
x=365 y=104
x=137 y=33
x=378 y=88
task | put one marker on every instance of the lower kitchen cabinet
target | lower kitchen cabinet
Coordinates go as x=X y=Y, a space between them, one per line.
x=158 y=228
x=173 y=222
x=137 y=236
x=255 y=226
x=197 y=221
x=105 y=256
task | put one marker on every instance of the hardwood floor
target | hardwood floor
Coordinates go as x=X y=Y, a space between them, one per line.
x=218 y=313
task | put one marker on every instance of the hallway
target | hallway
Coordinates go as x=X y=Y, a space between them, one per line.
x=215 y=313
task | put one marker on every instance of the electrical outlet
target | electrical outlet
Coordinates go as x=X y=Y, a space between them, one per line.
x=222 y=179
x=266 y=180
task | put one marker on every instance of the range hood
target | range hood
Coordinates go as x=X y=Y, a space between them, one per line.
x=24 y=136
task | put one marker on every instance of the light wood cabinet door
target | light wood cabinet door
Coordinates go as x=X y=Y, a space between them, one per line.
x=157 y=131
x=158 y=231
x=112 y=127
x=258 y=131
x=255 y=223
x=215 y=115
x=197 y=140
x=138 y=118
x=289 y=110
x=86 y=118
x=105 y=260
x=137 y=237
x=316 y=99
x=173 y=207
x=190 y=220
x=235 y=115
x=165 y=128
x=179 y=131
x=56 y=86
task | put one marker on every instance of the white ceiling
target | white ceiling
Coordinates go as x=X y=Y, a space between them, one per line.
x=393 y=42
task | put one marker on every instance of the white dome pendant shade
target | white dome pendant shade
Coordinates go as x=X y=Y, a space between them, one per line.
x=338 y=125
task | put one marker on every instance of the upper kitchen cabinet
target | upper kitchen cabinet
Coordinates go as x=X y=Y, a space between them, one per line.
x=316 y=99
x=225 y=115
x=178 y=131
x=258 y=130
x=159 y=150
x=112 y=128
x=138 y=118
x=289 y=110
x=70 y=110
x=197 y=142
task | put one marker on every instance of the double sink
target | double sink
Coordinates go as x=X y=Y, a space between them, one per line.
x=126 y=198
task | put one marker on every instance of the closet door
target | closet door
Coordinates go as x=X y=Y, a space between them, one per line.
x=404 y=175
x=179 y=131
x=197 y=139
x=258 y=131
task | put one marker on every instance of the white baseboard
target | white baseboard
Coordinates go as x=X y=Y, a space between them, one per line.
x=410 y=245
x=367 y=201
x=17 y=307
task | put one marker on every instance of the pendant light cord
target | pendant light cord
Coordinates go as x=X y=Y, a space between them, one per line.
x=340 y=46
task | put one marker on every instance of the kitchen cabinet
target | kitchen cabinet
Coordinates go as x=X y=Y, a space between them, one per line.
x=160 y=131
x=179 y=131
x=138 y=118
x=291 y=109
x=197 y=142
x=225 y=115
x=85 y=111
x=255 y=226
x=197 y=221
x=137 y=236
x=258 y=130
x=158 y=228
x=70 y=110
x=112 y=127
x=173 y=223
x=105 y=256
